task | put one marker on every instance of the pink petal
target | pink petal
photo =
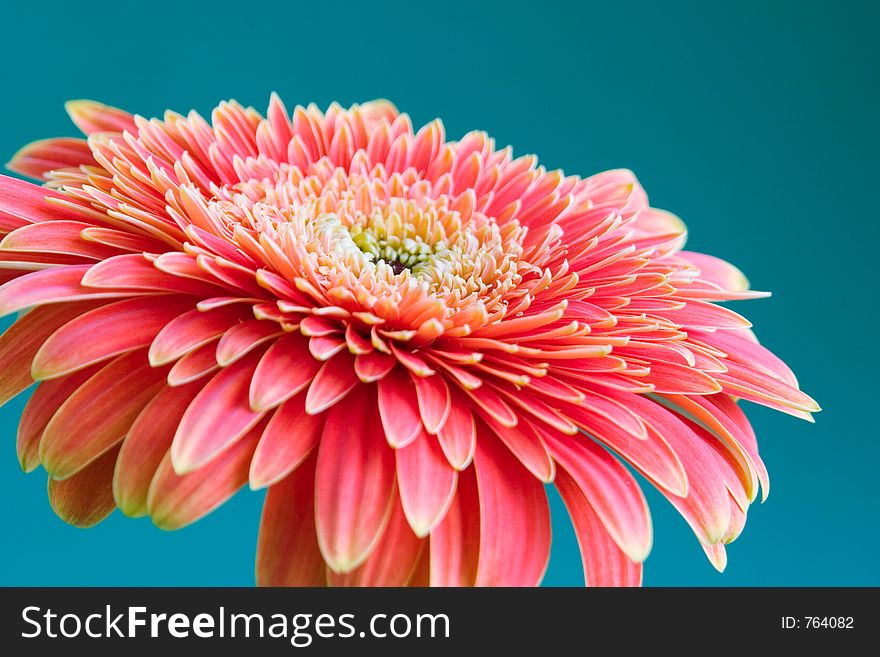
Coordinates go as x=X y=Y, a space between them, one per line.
x=426 y=483
x=98 y=414
x=105 y=332
x=742 y=350
x=717 y=555
x=758 y=386
x=399 y=408
x=289 y=438
x=51 y=286
x=194 y=365
x=175 y=501
x=285 y=369
x=609 y=489
x=653 y=457
x=287 y=547
x=392 y=563
x=354 y=483
x=219 y=416
x=134 y=271
x=492 y=405
x=435 y=401
x=241 y=338
x=40 y=408
x=455 y=542
x=192 y=330
x=61 y=237
x=39 y=157
x=526 y=445
x=91 y=116
x=458 y=436
x=706 y=507
x=681 y=379
x=333 y=382
x=86 y=498
x=146 y=444
x=605 y=564
x=21 y=342
x=373 y=366
x=717 y=271
x=24 y=203
x=704 y=315
x=121 y=240
x=514 y=518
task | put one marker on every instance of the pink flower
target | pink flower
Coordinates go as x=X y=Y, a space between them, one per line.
x=403 y=338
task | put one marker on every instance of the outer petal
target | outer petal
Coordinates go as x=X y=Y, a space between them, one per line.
x=21 y=341
x=40 y=408
x=39 y=157
x=218 y=416
x=175 y=501
x=52 y=286
x=91 y=116
x=146 y=444
x=514 y=518
x=354 y=483
x=392 y=563
x=609 y=489
x=652 y=457
x=242 y=338
x=192 y=330
x=334 y=381
x=455 y=542
x=25 y=203
x=86 y=498
x=605 y=564
x=289 y=438
x=458 y=436
x=285 y=369
x=706 y=506
x=98 y=414
x=715 y=270
x=435 y=401
x=399 y=408
x=287 y=548
x=426 y=482
x=105 y=332
x=58 y=237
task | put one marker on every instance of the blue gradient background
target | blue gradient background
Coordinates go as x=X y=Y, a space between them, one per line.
x=755 y=122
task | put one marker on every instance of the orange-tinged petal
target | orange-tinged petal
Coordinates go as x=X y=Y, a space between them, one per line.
x=86 y=498
x=146 y=444
x=332 y=383
x=105 y=332
x=21 y=342
x=98 y=414
x=175 y=501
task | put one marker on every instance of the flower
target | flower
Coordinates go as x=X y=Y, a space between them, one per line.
x=403 y=338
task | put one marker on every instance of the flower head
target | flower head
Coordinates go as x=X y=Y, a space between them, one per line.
x=403 y=338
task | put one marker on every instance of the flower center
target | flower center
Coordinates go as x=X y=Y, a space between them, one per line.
x=379 y=236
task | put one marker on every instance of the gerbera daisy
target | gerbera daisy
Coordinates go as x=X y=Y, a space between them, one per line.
x=403 y=338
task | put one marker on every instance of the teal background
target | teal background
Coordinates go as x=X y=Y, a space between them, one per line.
x=755 y=122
